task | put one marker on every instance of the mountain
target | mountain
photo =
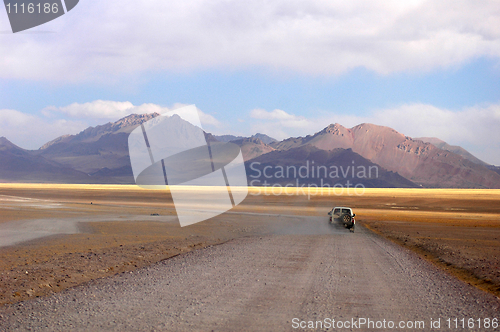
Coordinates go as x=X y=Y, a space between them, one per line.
x=309 y=165
x=252 y=147
x=420 y=162
x=100 y=151
x=91 y=134
x=452 y=148
x=228 y=138
x=19 y=165
x=264 y=138
x=495 y=169
x=100 y=155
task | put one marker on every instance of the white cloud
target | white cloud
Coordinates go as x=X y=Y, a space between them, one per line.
x=207 y=119
x=281 y=119
x=113 y=110
x=276 y=114
x=280 y=124
x=30 y=131
x=108 y=40
x=477 y=125
x=97 y=109
x=474 y=128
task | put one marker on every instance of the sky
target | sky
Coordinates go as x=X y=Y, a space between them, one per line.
x=283 y=68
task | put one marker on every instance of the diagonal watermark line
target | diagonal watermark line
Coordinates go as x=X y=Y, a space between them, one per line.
x=147 y=144
x=227 y=185
x=64 y=6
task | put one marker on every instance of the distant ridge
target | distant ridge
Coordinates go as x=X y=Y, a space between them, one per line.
x=452 y=148
x=100 y=155
x=339 y=167
x=252 y=147
x=495 y=169
x=19 y=165
x=420 y=162
x=228 y=138
x=125 y=125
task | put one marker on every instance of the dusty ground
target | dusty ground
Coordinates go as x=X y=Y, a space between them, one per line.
x=458 y=229
x=115 y=233
x=466 y=245
x=269 y=283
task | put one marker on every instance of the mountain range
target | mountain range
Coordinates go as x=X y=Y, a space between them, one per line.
x=100 y=155
x=228 y=138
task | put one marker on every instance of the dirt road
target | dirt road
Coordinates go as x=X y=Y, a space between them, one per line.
x=269 y=283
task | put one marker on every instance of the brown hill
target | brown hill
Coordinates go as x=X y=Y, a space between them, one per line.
x=229 y=138
x=452 y=148
x=308 y=164
x=19 y=165
x=102 y=151
x=422 y=163
x=495 y=169
x=100 y=155
x=252 y=147
x=91 y=134
x=98 y=151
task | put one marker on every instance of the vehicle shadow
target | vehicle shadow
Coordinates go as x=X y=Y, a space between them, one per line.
x=337 y=226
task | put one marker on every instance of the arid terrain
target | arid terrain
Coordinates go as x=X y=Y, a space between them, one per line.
x=100 y=155
x=54 y=237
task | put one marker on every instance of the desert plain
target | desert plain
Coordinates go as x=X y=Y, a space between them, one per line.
x=54 y=237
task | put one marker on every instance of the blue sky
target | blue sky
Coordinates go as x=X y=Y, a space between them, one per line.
x=278 y=67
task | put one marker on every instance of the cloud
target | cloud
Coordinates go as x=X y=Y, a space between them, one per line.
x=474 y=128
x=281 y=118
x=476 y=125
x=97 y=109
x=30 y=131
x=109 y=40
x=277 y=114
x=280 y=124
x=114 y=110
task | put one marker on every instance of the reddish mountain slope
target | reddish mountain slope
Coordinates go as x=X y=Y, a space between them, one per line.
x=100 y=155
x=252 y=147
x=452 y=148
x=420 y=162
x=307 y=164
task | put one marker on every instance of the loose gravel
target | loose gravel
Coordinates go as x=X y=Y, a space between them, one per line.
x=264 y=284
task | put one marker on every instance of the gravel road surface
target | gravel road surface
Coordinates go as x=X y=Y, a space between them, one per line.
x=268 y=283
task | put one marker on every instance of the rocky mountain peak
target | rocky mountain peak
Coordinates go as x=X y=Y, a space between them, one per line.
x=126 y=125
x=254 y=140
x=8 y=147
x=128 y=122
x=133 y=120
x=6 y=144
x=336 y=129
x=264 y=138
